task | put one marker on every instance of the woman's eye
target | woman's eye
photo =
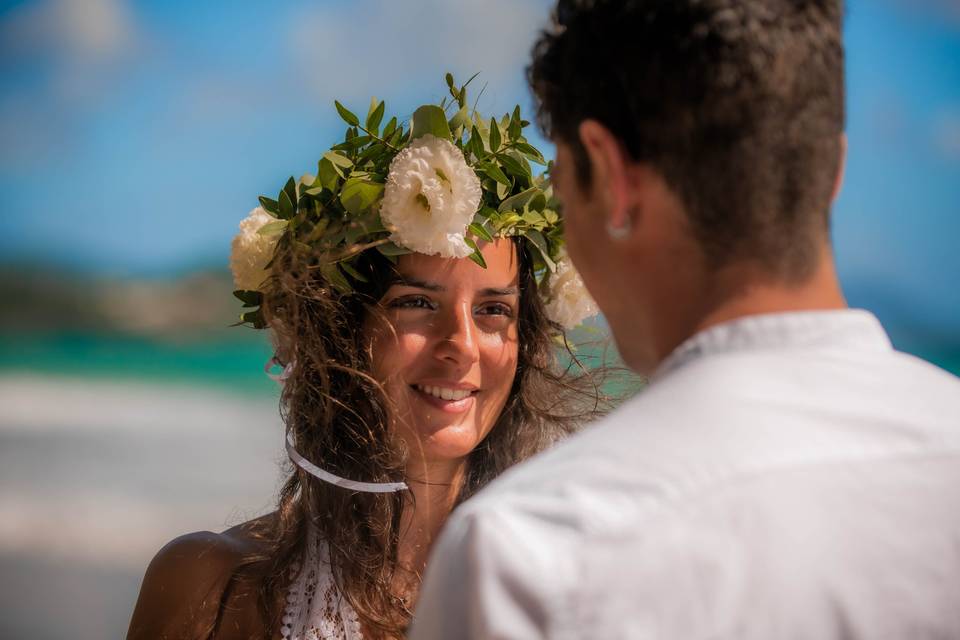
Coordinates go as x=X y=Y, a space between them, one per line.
x=496 y=309
x=413 y=302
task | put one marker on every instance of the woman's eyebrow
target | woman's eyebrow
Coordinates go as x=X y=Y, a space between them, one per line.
x=404 y=281
x=499 y=291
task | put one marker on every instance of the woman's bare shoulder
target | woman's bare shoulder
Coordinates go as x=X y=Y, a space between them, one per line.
x=188 y=580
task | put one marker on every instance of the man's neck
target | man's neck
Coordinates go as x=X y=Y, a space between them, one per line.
x=744 y=290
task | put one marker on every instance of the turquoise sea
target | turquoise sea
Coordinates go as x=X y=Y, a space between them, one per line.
x=232 y=364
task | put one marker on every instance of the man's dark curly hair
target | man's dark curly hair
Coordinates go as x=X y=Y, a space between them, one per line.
x=738 y=104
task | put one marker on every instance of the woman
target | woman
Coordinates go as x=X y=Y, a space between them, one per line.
x=415 y=289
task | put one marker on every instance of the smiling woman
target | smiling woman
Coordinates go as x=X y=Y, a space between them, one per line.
x=447 y=347
x=410 y=304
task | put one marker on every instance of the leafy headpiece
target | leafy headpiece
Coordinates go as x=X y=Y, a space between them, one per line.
x=433 y=186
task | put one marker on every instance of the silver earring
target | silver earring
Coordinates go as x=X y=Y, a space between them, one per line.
x=621 y=232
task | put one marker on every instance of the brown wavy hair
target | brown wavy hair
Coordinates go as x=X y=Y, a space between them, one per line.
x=739 y=105
x=338 y=415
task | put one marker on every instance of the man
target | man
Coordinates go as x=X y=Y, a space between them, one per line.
x=786 y=474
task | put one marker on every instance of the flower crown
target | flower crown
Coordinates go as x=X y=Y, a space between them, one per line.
x=431 y=188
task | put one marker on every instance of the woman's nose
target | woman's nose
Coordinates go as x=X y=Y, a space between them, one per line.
x=458 y=337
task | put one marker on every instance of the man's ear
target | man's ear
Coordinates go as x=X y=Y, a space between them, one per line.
x=609 y=171
x=841 y=168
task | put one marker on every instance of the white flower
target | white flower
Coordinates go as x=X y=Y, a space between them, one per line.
x=568 y=301
x=251 y=251
x=430 y=198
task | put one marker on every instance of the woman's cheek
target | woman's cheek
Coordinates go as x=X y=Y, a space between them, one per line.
x=500 y=357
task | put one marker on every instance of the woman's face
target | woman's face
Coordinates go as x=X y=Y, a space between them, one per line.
x=447 y=350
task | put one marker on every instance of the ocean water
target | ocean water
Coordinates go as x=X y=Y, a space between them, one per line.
x=232 y=364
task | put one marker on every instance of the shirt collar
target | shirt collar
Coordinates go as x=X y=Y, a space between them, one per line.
x=853 y=328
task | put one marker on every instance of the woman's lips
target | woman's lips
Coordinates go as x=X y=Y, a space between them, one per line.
x=459 y=405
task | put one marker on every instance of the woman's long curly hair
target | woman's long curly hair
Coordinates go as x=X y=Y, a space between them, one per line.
x=338 y=415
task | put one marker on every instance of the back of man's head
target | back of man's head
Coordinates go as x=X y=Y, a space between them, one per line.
x=739 y=104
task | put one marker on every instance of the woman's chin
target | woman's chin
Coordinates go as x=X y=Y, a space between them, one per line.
x=445 y=443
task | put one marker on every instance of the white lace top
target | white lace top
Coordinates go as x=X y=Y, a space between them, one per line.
x=316 y=610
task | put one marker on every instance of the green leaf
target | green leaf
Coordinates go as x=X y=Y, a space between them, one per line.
x=449 y=79
x=530 y=151
x=539 y=203
x=513 y=166
x=533 y=217
x=476 y=144
x=494 y=172
x=370 y=153
x=353 y=273
x=537 y=239
x=359 y=194
x=390 y=128
x=513 y=131
x=317 y=231
x=338 y=159
x=430 y=119
x=347 y=115
x=480 y=231
x=335 y=277
x=516 y=202
x=398 y=137
x=375 y=117
x=273 y=228
x=253 y=317
x=354 y=142
x=270 y=205
x=390 y=249
x=460 y=119
x=365 y=226
x=328 y=174
x=476 y=256
x=291 y=188
x=248 y=297
x=494 y=136
x=287 y=209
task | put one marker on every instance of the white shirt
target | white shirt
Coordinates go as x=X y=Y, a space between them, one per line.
x=783 y=476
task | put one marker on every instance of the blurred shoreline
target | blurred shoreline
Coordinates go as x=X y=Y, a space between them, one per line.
x=96 y=475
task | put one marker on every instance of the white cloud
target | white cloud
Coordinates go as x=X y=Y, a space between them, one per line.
x=352 y=50
x=90 y=29
x=83 y=47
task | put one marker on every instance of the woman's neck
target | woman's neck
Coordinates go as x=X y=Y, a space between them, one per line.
x=434 y=488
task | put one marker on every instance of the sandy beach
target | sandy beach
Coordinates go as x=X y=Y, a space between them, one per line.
x=96 y=475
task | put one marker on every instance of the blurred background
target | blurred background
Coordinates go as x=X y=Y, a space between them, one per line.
x=134 y=136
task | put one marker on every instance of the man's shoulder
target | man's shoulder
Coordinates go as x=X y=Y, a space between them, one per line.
x=715 y=419
x=580 y=483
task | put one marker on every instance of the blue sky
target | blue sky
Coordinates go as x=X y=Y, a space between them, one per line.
x=135 y=135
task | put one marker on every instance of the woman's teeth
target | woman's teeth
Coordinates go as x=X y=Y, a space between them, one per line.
x=444 y=393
